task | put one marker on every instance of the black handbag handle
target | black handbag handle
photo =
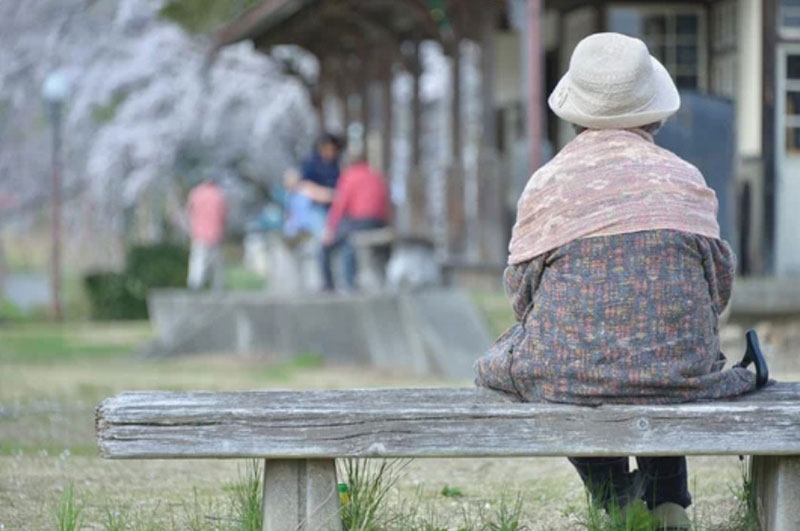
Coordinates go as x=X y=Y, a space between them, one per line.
x=753 y=355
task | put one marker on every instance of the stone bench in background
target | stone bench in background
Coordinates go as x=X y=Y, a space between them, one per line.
x=433 y=332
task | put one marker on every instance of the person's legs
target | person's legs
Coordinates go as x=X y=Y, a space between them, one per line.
x=350 y=226
x=197 y=265
x=326 y=256
x=608 y=479
x=666 y=481
x=217 y=267
x=349 y=263
x=342 y=242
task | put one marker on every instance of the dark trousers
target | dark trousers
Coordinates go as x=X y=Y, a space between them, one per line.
x=342 y=244
x=658 y=480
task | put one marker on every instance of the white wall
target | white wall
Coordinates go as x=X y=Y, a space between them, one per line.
x=508 y=78
x=749 y=100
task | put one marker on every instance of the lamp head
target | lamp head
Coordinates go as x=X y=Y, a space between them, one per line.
x=56 y=87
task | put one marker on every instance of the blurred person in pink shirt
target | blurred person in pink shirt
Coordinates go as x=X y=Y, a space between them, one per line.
x=207 y=212
x=360 y=202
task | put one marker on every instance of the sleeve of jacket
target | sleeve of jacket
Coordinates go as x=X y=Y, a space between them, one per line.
x=521 y=282
x=719 y=264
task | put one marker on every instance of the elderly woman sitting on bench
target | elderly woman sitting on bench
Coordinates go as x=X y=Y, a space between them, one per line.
x=617 y=273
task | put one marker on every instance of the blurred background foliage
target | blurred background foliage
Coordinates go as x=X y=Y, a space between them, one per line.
x=123 y=295
x=204 y=16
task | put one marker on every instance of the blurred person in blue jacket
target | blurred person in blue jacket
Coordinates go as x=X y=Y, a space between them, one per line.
x=310 y=193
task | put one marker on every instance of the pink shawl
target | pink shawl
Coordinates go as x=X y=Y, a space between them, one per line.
x=610 y=181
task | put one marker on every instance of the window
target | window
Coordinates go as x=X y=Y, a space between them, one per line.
x=724 y=19
x=792 y=103
x=724 y=56
x=790 y=15
x=674 y=35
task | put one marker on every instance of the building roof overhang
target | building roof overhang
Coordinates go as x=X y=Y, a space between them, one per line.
x=332 y=26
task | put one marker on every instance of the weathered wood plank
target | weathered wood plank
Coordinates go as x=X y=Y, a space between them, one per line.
x=436 y=422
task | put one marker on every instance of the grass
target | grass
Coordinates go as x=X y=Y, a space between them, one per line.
x=451 y=492
x=507 y=516
x=496 y=309
x=75 y=304
x=369 y=483
x=240 y=509
x=52 y=377
x=245 y=499
x=745 y=518
x=633 y=518
x=68 y=514
x=29 y=343
x=9 y=312
x=116 y=519
x=371 y=507
x=238 y=278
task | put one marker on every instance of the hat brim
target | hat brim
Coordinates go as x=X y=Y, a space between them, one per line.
x=664 y=104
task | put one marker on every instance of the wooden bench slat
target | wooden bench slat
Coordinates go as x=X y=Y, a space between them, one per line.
x=436 y=423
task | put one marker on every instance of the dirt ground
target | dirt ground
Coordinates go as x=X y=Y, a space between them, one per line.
x=47 y=441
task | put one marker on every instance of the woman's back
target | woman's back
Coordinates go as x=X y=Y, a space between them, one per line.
x=624 y=318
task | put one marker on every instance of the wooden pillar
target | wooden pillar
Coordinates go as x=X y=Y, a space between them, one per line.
x=416 y=108
x=415 y=187
x=387 y=103
x=457 y=144
x=365 y=113
x=319 y=96
x=488 y=71
x=770 y=37
x=535 y=83
x=317 y=99
x=343 y=93
x=489 y=229
x=456 y=222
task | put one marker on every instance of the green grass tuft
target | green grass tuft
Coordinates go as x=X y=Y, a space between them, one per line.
x=369 y=483
x=68 y=514
x=745 y=518
x=245 y=498
x=117 y=519
x=451 y=492
x=507 y=516
x=634 y=517
x=415 y=515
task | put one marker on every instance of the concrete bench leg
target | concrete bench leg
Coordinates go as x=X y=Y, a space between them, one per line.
x=300 y=495
x=776 y=480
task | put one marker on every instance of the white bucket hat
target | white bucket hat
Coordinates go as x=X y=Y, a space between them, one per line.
x=614 y=83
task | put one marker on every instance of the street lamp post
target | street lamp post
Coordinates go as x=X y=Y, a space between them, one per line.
x=55 y=92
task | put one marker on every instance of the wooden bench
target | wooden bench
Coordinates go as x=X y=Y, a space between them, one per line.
x=300 y=433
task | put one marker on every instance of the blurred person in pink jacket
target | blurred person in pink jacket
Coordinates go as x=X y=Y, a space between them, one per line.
x=207 y=210
x=360 y=203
